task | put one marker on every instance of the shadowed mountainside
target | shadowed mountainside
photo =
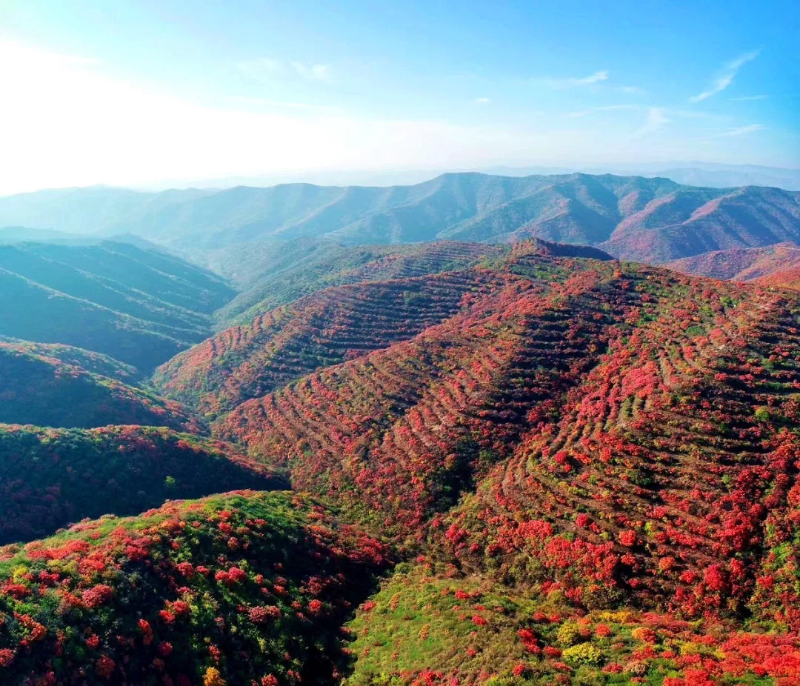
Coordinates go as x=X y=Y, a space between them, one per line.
x=51 y=477
x=38 y=388
x=138 y=306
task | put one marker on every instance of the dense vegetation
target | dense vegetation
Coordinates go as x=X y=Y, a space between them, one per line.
x=39 y=388
x=51 y=477
x=431 y=625
x=590 y=468
x=272 y=274
x=95 y=363
x=235 y=589
x=624 y=432
x=138 y=306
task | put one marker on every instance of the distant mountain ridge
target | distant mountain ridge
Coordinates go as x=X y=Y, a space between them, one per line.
x=651 y=220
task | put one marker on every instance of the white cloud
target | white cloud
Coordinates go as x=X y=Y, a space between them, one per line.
x=727 y=77
x=605 y=108
x=749 y=97
x=313 y=72
x=267 y=69
x=573 y=81
x=656 y=119
x=740 y=131
x=482 y=101
x=72 y=124
x=632 y=90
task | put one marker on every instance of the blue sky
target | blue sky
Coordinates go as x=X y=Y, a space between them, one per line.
x=143 y=92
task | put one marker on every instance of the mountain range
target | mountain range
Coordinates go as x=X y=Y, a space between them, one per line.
x=634 y=218
x=325 y=460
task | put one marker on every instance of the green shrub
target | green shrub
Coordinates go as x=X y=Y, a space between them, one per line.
x=582 y=654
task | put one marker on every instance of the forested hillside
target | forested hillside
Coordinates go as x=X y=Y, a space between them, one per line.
x=52 y=477
x=251 y=585
x=138 y=306
x=533 y=464
x=38 y=388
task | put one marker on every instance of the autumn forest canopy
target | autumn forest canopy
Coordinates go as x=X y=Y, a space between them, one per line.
x=478 y=430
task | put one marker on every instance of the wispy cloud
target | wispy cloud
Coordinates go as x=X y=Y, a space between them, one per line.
x=574 y=81
x=482 y=101
x=749 y=97
x=606 y=108
x=740 y=131
x=313 y=72
x=266 y=68
x=632 y=90
x=656 y=119
x=726 y=78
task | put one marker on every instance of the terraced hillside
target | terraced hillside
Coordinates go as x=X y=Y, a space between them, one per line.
x=317 y=331
x=40 y=387
x=138 y=306
x=235 y=589
x=670 y=474
x=394 y=297
x=625 y=432
x=272 y=274
x=51 y=477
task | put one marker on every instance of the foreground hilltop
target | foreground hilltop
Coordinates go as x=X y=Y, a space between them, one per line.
x=240 y=588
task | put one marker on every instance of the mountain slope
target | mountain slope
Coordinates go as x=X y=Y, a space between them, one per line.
x=429 y=626
x=95 y=363
x=622 y=431
x=235 y=589
x=51 y=477
x=138 y=306
x=788 y=277
x=340 y=323
x=270 y=274
x=746 y=264
x=652 y=220
x=43 y=390
x=317 y=331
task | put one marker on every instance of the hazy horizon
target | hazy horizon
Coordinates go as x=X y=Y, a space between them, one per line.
x=147 y=96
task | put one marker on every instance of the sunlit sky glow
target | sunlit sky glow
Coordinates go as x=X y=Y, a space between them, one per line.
x=136 y=93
